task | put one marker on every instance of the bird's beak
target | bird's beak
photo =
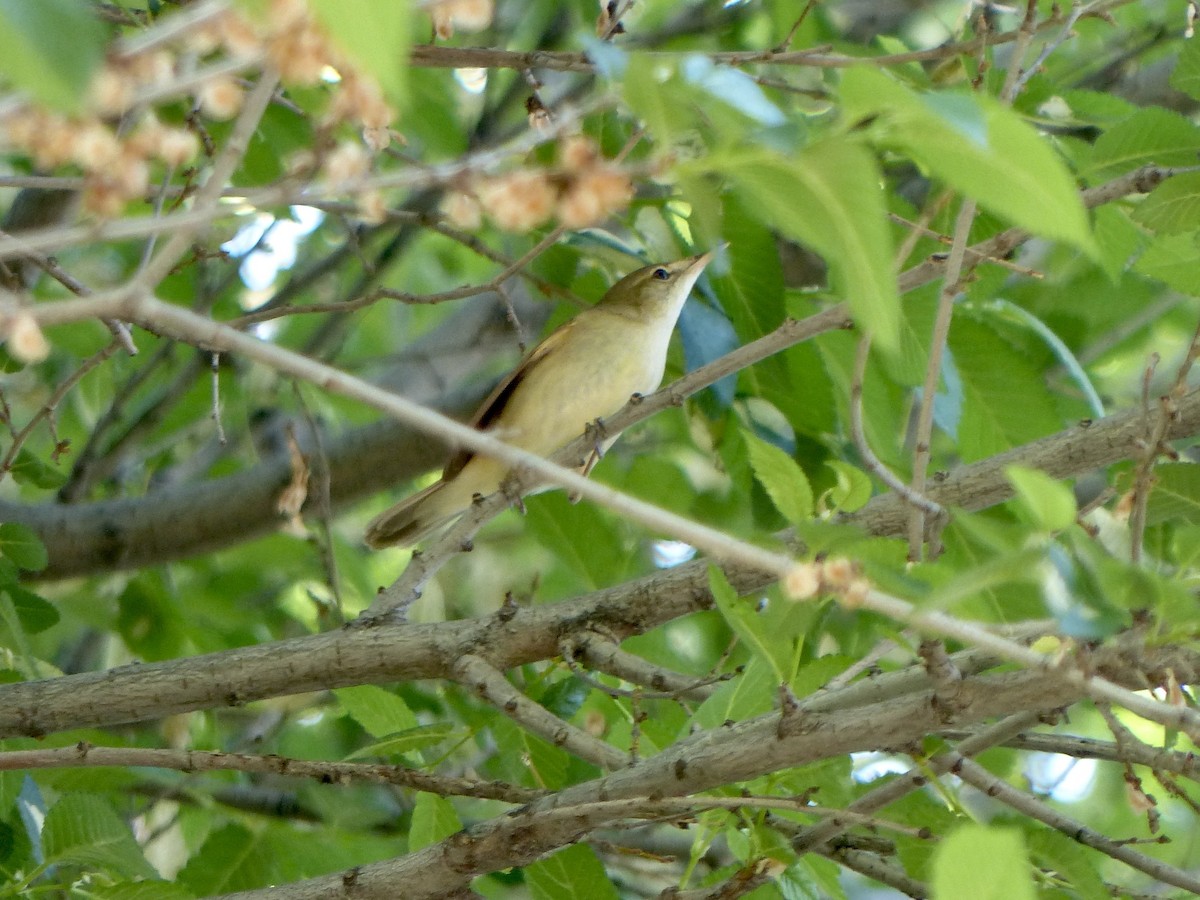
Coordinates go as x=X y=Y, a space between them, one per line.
x=697 y=263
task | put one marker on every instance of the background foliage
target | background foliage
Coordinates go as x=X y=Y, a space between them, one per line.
x=1006 y=202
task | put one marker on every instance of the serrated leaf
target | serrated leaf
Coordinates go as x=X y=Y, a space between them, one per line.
x=993 y=376
x=1176 y=494
x=1173 y=206
x=379 y=712
x=83 y=829
x=1150 y=136
x=1118 y=237
x=50 y=48
x=433 y=820
x=978 y=146
x=1173 y=259
x=828 y=197
x=20 y=544
x=1186 y=76
x=781 y=477
x=982 y=863
x=574 y=872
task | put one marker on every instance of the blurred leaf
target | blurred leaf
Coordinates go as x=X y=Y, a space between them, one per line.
x=375 y=36
x=1050 y=503
x=827 y=196
x=574 y=872
x=1186 y=76
x=379 y=712
x=1176 y=494
x=149 y=619
x=83 y=829
x=732 y=87
x=1173 y=259
x=1173 y=206
x=433 y=820
x=983 y=863
x=20 y=544
x=231 y=859
x=51 y=48
x=35 y=613
x=1151 y=136
x=978 y=146
x=28 y=469
x=409 y=740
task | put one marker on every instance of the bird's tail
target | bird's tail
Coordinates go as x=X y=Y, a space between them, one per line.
x=413 y=518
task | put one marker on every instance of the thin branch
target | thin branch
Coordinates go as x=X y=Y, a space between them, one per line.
x=489 y=683
x=998 y=789
x=85 y=755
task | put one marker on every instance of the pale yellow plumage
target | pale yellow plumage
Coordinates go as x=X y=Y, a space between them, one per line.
x=585 y=370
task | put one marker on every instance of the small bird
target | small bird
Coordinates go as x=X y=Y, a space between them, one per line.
x=586 y=370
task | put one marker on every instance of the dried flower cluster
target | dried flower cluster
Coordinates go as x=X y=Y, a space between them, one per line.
x=837 y=576
x=583 y=191
x=115 y=154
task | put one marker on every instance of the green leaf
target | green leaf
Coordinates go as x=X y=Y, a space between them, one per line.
x=409 y=740
x=376 y=36
x=379 y=712
x=852 y=490
x=1118 y=237
x=748 y=625
x=1176 y=494
x=660 y=100
x=1050 y=503
x=1173 y=259
x=1054 y=850
x=978 y=146
x=783 y=480
x=828 y=197
x=28 y=469
x=574 y=872
x=982 y=863
x=20 y=544
x=149 y=620
x=750 y=694
x=35 y=613
x=231 y=859
x=50 y=48
x=433 y=820
x=993 y=376
x=83 y=829
x=1173 y=206
x=751 y=292
x=1186 y=77
x=1150 y=136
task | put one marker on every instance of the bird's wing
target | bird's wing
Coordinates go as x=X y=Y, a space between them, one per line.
x=491 y=408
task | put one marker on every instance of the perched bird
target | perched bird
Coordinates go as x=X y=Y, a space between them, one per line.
x=587 y=369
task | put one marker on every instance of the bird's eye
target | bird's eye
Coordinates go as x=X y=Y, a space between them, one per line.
x=662 y=274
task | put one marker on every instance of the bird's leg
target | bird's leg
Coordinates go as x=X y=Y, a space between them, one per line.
x=510 y=487
x=596 y=433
